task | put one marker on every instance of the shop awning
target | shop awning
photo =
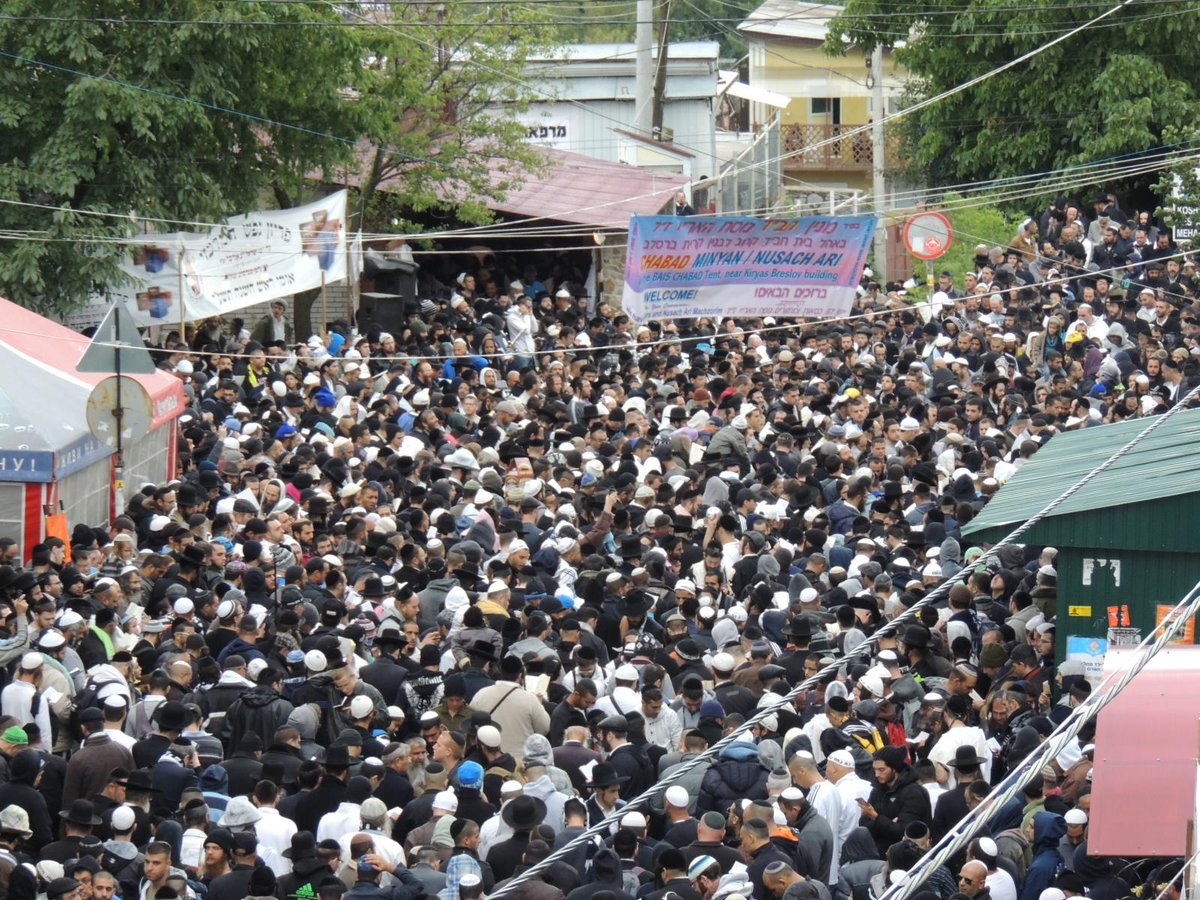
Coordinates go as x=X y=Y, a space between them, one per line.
x=43 y=418
x=1144 y=773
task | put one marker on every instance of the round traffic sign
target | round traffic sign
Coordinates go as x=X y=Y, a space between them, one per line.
x=928 y=235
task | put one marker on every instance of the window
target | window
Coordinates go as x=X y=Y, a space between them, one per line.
x=827 y=106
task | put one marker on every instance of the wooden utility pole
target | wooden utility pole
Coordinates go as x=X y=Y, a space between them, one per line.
x=660 y=72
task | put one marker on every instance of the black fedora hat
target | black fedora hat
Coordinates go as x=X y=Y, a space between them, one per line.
x=82 y=812
x=373 y=589
x=631 y=546
x=304 y=846
x=965 y=757
x=482 y=648
x=140 y=780
x=390 y=636
x=605 y=775
x=635 y=603
x=171 y=716
x=336 y=757
x=524 y=813
x=800 y=627
x=193 y=555
x=915 y=636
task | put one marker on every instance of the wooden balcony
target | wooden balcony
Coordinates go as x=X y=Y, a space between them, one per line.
x=824 y=148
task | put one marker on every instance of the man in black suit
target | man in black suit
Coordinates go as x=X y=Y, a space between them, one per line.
x=573 y=755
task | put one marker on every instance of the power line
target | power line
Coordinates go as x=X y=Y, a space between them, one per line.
x=889 y=629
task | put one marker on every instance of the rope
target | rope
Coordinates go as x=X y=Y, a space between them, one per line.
x=1032 y=766
x=891 y=628
x=643 y=345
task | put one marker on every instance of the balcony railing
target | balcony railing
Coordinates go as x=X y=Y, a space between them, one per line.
x=826 y=147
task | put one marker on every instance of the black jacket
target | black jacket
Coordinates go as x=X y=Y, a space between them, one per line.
x=898 y=807
x=258 y=711
x=632 y=762
x=282 y=758
x=395 y=790
x=385 y=675
x=325 y=798
x=245 y=771
x=737 y=775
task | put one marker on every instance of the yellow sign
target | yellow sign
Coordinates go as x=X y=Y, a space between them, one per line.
x=1081 y=611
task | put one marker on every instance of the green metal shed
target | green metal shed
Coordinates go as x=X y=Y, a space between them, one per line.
x=1127 y=541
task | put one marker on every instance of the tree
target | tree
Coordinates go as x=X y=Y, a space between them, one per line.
x=187 y=110
x=1106 y=92
x=440 y=94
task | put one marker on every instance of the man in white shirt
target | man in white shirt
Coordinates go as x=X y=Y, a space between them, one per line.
x=826 y=799
x=839 y=769
x=374 y=817
x=22 y=700
x=274 y=831
x=114 y=721
x=663 y=727
x=347 y=818
x=191 y=845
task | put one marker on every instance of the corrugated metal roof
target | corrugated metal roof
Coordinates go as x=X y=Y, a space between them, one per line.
x=1163 y=465
x=591 y=192
x=791 y=19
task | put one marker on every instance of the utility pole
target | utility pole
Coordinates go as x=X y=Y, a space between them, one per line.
x=878 y=186
x=660 y=70
x=644 y=72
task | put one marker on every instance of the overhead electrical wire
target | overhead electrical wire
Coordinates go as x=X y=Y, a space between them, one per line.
x=890 y=629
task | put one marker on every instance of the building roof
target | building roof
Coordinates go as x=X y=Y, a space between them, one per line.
x=1161 y=466
x=619 y=52
x=585 y=191
x=791 y=19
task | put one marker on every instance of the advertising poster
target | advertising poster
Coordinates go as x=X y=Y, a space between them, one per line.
x=688 y=266
x=250 y=259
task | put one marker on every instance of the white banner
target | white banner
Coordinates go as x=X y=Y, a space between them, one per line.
x=251 y=259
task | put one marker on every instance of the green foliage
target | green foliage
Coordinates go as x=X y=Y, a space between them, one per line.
x=614 y=21
x=90 y=119
x=1180 y=185
x=1108 y=91
x=971 y=225
x=428 y=93
x=192 y=110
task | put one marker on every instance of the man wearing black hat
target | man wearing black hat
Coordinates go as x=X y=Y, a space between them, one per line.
x=896 y=801
x=329 y=794
x=78 y=822
x=522 y=814
x=606 y=784
x=90 y=766
x=629 y=761
x=308 y=869
x=386 y=674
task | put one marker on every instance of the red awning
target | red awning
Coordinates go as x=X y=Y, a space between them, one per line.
x=1144 y=773
x=54 y=346
x=570 y=188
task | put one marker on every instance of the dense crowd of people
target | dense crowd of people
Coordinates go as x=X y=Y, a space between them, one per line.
x=419 y=609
